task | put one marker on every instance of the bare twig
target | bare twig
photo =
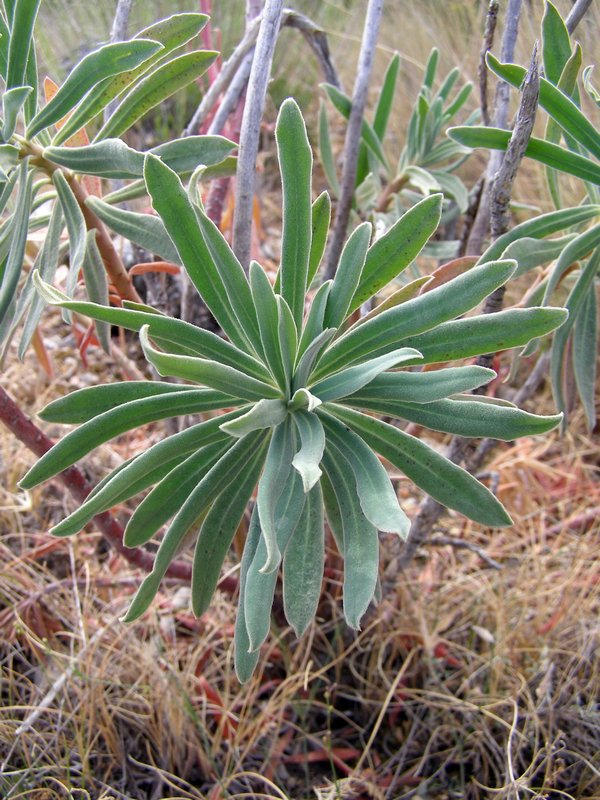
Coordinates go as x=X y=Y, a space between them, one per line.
x=482 y=72
x=317 y=40
x=118 y=33
x=445 y=541
x=232 y=96
x=250 y=133
x=352 y=142
x=576 y=14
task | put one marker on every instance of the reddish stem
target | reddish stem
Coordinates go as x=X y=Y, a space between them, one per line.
x=27 y=432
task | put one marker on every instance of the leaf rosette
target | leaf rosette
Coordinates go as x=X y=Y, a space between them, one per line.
x=299 y=381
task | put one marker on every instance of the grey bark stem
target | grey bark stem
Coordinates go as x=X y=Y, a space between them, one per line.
x=352 y=143
x=576 y=14
x=482 y=72
x=250 y=133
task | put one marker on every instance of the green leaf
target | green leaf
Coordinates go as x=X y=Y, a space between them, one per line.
x=153 y=89
x=245 y=661
x=309 y=358
x=148 y=468
x=539 y=227
x=227 y=469
x=146 y=230
x=452 y=186
x=23 y=21
x=376 y=494
x=386 y=97
x=529 y=252
x=295 y=164
x=303 y=400
x=169 y=496
x=171 y=33
x=112 y=423
x=488 y=333
x=325 y=151
x=347 y=276
x=560 y=107
x=270 y=488
x=556 y=44
x=321 y=217
x=585 y=337
x=288 y=338
x=303 y=565
x=313 y=324
x=385 y=331
x=264 y=414
x=267 y=313
x=397 y=248
x=96 y=285
x=76 y=228
x=455 y=106
x=204 y=371
x=546 y=153
x=218 y=529
x=344 y=105
x=447 y=483
x=111 y=158
x=360 y=540
x=17 y=230
x=575 y=302
x=12 y=103
x=352 y=379
x=471 y=419
x=579 y=248
x=212 y=281
x=184 y=155
x=431 y=68
x=422 y=387
x=111 y=59
x=307 y=459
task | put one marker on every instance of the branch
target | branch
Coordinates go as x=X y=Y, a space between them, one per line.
x=36 y=440
x=250 y=133
x=482 y=70
x=352 y=143
x=576 y=14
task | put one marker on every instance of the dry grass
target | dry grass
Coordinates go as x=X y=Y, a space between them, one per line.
x=467 y=681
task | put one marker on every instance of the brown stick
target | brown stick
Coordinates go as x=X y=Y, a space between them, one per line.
x=482 y=72
x=27 y=432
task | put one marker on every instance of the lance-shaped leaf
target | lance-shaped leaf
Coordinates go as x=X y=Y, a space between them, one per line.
x=560 y=107
x=321 y=217
x=264 y=414
x=177 y=335
x=169 y=496
x=310 y=357
x=267 y=314
x=184 y=155
x=474 y=418
x=312 y=438
x=397 y=248
x=245 y=661
x=347 y=275
x=313 y=325
x=219 y=528
x=303 y=400
x=326 y=152
x=295 y=163
x=556 y=43
x=585 y=337
x=530 y=253
x=111 y=158
x=224 y=471
x=385 y=331
x=260 y=586
x=488 y=333
x=212 y=281
x=111 y=423
x=360 y=540
x=171 y=33
x=76 y=228
x=580 y=247
x=144 y=229
x=546 y=153
x=153 y=89
x=147 y=469
x=96 y=285
x=23 y=19
x=12 y=103
x=447 y=483
x=352 y=379
x=575 y=302
x=376 y=494
x=539 y=227
x=422 y=387
x=385 y=101
x=17 y=229
x=209 y=373
x=111 y=59
x=303 y=564
x=270 y=488
x=288 y=339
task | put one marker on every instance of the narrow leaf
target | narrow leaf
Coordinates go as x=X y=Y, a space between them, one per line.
x=307 y=459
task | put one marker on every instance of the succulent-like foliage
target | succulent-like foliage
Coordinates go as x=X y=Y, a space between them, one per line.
x=298 y=387
x=46 y=156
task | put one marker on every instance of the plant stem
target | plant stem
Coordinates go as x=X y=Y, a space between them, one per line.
x=576 y=14
x=352 y=143
x=27 y=432
x=482 y=71
x=250 y=133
